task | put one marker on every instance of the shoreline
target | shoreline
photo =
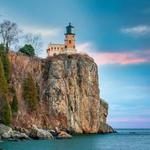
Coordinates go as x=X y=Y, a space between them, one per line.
x=9 y=134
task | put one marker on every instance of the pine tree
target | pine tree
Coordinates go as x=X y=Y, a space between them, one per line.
x=5 y=61
x=14 y=104
x=5 y=110
x=30 y=93
x=3 y=82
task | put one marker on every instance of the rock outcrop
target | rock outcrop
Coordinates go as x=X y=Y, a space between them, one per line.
x=69 y=96
x=8 y=133
x=37 y=133
x=63 y=135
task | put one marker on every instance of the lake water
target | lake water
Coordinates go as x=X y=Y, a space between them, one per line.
x=125 y=139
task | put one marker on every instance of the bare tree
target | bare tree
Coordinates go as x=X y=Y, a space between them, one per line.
x=8 y=33
x=35 y=40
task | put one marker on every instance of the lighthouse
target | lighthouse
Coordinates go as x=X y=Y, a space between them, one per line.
x=69 y=43
x=70 y=38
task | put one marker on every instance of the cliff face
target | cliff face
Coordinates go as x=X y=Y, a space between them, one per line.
x=68 y=93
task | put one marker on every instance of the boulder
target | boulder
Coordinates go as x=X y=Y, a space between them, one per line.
x=5 y=131
x=37 y=133
x=8 y=133
x=18 y=135
x=63 y=135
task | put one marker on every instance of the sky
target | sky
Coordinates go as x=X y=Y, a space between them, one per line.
x=116 y=33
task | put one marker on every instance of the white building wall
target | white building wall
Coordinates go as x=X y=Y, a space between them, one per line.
x=56 y=49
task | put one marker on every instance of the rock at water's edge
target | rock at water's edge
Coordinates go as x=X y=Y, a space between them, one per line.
x=63 y=135
x=105 y=128
x=8 y=133
x=37 y=133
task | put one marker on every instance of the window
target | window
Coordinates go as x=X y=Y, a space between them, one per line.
x=69 y=41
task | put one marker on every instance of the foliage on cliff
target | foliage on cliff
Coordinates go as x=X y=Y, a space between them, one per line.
x=5 y=61
x=28 y=50
x=30 y=93
x=5 y=111
x=3 y=82
x=14 y=104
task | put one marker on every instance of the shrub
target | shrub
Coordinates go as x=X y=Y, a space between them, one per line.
x=30 y=93
x=28 y=50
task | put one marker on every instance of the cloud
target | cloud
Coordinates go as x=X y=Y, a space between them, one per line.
x=123 y=58
x=6 y=14
x=44 y=32
x=131 y=119
x=118 y=58
x=137 y=30
x=47 y=35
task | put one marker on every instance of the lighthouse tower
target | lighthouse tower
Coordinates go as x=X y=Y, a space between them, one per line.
x=69 y=44
x=70 y=39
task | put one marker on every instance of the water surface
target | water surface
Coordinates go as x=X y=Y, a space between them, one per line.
x=125 y=139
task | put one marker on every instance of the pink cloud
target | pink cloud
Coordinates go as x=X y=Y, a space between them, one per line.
x=117 y=58
x=134 y=119
x=123 y=58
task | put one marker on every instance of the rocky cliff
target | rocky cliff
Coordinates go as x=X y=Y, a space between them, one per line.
x=69 y=95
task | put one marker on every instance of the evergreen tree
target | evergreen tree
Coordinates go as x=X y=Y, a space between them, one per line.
x=3 y=82
x=28 y=50
x=5 y=110
x=5 y=61
x=30 y=93
x=14 y=104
